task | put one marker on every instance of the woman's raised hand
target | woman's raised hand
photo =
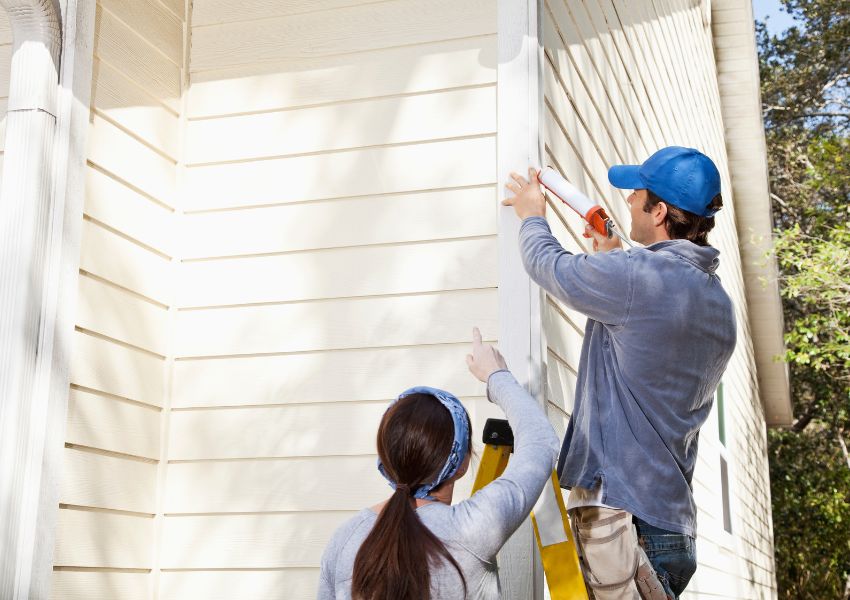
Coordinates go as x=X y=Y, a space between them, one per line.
x=485 y=359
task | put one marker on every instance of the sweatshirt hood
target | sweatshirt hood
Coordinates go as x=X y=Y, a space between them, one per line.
x=704 y=258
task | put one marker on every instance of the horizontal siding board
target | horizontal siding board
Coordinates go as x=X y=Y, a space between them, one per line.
x=104 y=540
x=120 y=207
x=121 y=47
x=311 y=81
x=107 y=481
x=4 y=104
x=592 y=150
x=100 y=585
x=566 y=153
x=110 y=424
x=285 y=584
x=328 y=483
x=404 y=269
x=5 y=73
x=277 y=431
x=347 y=30
x=355 y=173
x=583 y=84
x=114 y=150
x=152 y=21
x=247 y=541
x=302 y=378
x=114 y=425
x=117 y=314
x=212 y=12
x=108 y=367
x=124 y=102
x=562 y=337
x=560 y=386
x=177 y=7
x=620 y=56
x=339 y=429
x=5 y=29
x=350 y=222
x=454 y=113
x=124 y=263
x=335 y=324
x=624 y=97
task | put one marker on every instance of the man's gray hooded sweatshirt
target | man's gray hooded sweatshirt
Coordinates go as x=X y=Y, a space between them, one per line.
x=660 y=333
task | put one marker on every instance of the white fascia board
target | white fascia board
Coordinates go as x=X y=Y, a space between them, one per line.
x=748 y=170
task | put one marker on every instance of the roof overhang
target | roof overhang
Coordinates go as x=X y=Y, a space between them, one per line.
x=736 y=58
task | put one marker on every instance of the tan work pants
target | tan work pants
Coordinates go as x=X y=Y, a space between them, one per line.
x=615 y=566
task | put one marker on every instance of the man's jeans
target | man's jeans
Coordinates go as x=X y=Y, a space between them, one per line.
x=672 y=555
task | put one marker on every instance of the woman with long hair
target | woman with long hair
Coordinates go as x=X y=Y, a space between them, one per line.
x=417 y=545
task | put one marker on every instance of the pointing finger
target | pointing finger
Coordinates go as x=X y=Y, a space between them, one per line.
x=476 y=336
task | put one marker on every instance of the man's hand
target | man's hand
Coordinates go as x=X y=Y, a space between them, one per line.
x=485 y=359
x=528 y=199
x=600 y=242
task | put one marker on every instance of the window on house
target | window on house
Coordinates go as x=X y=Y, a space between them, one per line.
x=724 y=464
x=724 y=484
x=721 y=415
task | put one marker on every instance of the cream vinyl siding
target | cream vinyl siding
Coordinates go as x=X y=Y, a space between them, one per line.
x=107 y=529
x=5 y=71
x=338 y=244
x=620 y=80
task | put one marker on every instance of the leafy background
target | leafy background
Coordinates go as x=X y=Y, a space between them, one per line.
x=805 y=79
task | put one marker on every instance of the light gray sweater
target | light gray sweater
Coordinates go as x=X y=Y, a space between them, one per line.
x=473 y=530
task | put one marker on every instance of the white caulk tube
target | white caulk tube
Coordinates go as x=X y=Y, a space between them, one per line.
x=587 y=209
x=570 y=195
x=566 y=191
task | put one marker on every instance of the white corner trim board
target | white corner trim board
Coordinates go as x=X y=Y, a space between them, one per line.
x=40 y=204
x=520 y=324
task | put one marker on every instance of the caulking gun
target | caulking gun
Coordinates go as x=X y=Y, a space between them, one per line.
x=584 y=206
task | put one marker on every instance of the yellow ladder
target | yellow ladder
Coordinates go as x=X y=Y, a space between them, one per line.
x=549 y=517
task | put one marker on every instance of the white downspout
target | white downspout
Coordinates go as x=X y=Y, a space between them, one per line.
x=26 y=222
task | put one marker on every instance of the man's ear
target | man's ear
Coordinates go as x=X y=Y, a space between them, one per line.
x=659 y=214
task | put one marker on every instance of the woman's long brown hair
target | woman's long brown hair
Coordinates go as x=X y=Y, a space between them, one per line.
x=394 y=561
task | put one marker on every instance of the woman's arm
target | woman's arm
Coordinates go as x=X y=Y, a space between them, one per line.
x=486 y=520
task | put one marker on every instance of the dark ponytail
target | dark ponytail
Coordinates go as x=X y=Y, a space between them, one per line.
x=414 y=440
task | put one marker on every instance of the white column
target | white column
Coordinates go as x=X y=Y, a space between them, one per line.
x=45 y=135
x=520 y=325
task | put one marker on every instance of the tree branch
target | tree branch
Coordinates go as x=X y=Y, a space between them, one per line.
x=801 y=423
x=840 y=436
x=835 y=115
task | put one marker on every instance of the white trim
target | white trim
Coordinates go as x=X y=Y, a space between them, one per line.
x=746 y=149
x=45 y=147
x=78 y=25
x=520 y=324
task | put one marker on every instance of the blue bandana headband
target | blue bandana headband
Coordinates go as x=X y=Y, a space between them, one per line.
x=460 y=445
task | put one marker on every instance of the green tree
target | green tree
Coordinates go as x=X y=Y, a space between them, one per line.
x=805 y=77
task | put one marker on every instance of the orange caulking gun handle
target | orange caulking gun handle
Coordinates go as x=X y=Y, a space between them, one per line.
x=598 y=219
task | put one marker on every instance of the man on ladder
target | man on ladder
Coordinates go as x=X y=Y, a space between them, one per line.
x=659 y=334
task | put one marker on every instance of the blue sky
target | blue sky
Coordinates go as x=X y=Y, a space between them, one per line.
x=769 y=10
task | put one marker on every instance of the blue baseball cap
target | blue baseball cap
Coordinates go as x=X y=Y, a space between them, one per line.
x=683 y=177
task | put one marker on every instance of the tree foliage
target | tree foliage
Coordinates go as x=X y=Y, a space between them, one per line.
x=805 y=85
